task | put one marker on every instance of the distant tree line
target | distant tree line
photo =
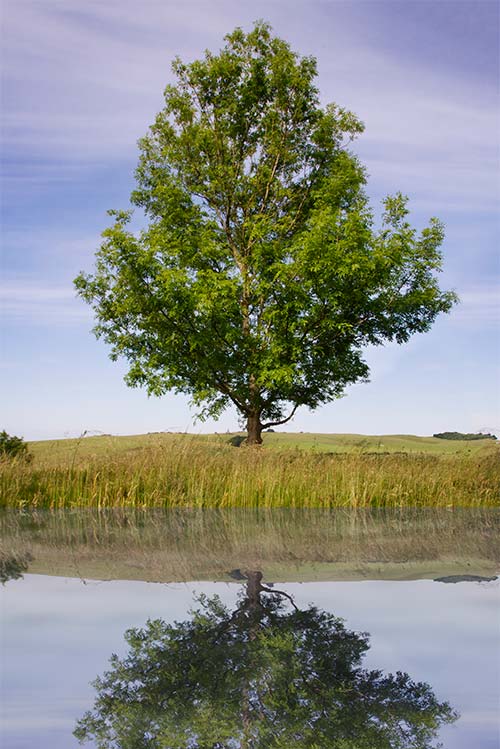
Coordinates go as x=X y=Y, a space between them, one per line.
x=462 y=436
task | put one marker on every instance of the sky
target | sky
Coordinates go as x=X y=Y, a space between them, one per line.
x=82 y=80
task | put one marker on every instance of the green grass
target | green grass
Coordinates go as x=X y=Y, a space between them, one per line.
x=389 y=443
x=291 y=470
x=57 y=450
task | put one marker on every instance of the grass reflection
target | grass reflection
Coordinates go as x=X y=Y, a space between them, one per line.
x=291 y=544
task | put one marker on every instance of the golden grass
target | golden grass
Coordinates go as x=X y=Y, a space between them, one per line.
x=183 y=472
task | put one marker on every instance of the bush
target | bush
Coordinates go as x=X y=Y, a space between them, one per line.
x=13 y=447
x=12 y=566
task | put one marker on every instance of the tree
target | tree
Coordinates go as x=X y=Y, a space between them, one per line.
x=260 y=275
x=262 y=677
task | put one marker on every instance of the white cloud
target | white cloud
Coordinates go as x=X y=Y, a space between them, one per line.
x=89 y=81
x=28 y=300
x=437 y=184
x=52 y=249
x=479 y=306
x=430 y=133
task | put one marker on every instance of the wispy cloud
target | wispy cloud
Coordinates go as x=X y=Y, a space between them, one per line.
x=89 y=78
x=479 y=306
x=428 y=132
x=37 y=303
x=57 y=253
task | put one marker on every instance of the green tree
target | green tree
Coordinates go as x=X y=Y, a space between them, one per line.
x=262 y=677
x=260 y=276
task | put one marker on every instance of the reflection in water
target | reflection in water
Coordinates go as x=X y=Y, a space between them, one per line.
x=199 y=544
x=12 y=566
x=266 y=675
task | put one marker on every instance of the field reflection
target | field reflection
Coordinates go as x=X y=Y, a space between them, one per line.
x=175 y=545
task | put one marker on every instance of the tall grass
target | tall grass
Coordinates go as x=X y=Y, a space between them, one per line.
x=189 y=473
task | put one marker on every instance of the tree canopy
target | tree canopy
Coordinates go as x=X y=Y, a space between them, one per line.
x=266 y=676
x=260 y=275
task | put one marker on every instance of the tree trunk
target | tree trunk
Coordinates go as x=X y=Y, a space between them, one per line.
x=254 y=588
x=254 y=430
x=254 y=606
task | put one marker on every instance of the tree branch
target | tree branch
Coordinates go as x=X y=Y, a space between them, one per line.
x=281 y=593
x=283 y=421
x=223 y=387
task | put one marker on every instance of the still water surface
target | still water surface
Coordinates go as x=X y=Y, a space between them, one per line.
x=58 y=633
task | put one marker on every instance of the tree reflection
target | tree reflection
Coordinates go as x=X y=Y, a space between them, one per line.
x=267 y=675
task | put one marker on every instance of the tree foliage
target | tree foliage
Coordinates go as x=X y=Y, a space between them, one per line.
x=262 y=677
x=260 y=275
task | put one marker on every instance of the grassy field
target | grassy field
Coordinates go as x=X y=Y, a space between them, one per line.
x=290 y=470
x=56 y=451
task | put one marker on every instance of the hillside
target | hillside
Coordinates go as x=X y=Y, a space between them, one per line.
x=58 y=450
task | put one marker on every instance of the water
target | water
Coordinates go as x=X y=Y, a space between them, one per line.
x=59 y=631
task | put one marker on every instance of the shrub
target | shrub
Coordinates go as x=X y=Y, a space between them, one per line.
x=13 y=447
x=12 y=566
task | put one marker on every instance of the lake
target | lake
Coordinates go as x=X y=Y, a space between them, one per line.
x=367 y=628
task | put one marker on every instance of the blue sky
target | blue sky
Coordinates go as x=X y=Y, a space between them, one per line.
x=83 y=80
